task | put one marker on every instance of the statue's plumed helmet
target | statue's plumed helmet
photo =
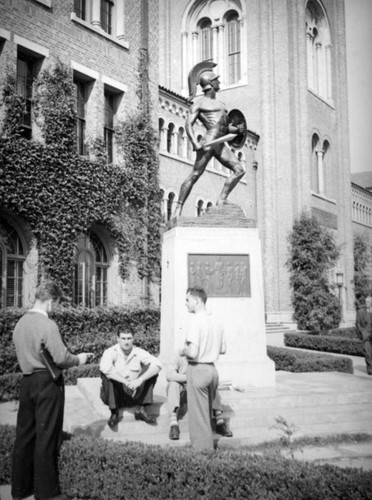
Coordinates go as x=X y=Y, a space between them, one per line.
x=201 y=74
x=206 y=78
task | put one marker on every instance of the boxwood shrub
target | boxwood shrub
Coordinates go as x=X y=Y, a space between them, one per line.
x=347 y=332
x=324 y=343
x=88 y=330
x=101 y=470
x=9 y=383
x=299 y=361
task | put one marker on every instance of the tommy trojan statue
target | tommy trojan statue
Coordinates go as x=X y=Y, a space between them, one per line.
x=221 y=127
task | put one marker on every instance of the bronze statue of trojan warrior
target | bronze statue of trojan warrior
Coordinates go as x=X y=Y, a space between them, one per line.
x=221 y=127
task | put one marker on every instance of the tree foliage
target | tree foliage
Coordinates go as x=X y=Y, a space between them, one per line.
x=312 y=256
x=362 y=258
x=62 y=195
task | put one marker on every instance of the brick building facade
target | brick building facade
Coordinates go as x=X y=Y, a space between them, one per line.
x=101 y=41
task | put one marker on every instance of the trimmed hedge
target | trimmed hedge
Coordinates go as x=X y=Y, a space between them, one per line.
x=101 y=470
x=85 y=330
x=9 y=383
x=324 y=343
x=298 y=361
x=347 y=332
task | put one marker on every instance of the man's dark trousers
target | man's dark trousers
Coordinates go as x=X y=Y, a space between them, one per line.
x=39 y=427
x=114 y=396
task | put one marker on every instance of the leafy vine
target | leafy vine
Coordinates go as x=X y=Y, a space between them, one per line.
x=61 y=194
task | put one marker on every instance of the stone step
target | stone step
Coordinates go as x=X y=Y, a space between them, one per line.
x=314 y=403
x=276 y=328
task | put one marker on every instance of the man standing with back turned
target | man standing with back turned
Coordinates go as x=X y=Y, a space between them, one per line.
x=41 y=399
x=205 y=341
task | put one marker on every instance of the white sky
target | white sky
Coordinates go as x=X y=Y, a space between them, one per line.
x=359 y=62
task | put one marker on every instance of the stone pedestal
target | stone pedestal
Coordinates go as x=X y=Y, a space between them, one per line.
x=221 y=252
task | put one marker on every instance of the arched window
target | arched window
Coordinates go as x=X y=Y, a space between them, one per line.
x=215 y=30
x=318 y=41
x=12 y=256
x=161 y=126
x=90 y=277
x=180 y=141
x=233 y=47
x=170 y=201
x=199 y=208
x=206 y=40
x=170 y=138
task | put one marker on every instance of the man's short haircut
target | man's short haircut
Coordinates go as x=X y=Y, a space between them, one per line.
x=121 y=329
x=48 y=290
x=197 y=291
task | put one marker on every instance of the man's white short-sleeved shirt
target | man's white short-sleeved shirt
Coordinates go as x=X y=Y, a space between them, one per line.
x=207 y=335
x=114 y=360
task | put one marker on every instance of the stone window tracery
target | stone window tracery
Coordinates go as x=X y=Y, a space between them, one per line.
x=214 y=30
x=318 y=42
x=90 y=276
x=12 y=257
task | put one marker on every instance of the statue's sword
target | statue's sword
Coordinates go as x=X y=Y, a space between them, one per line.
x=224 y=138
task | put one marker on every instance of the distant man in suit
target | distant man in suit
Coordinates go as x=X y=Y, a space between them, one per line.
x=364 y=330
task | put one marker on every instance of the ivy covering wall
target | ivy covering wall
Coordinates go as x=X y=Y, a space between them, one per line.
x=60 y=194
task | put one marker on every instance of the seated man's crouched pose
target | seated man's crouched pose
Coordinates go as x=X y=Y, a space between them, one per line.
x=177 y=397
x=128 y=377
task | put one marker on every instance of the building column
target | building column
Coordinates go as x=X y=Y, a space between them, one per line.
x=174 y=140
x=120 y=16
x=96 y=13
x=310 y=61
x=163 y=139
x=186 y=66
x=318 y=67
x=195 y=39
x=328 y=72
x=243 y=50
x=222 y=54
x=216 y=55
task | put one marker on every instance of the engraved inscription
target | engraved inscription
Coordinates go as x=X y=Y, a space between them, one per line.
x=220 y=275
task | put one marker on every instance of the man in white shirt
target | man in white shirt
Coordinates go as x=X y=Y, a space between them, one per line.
x=177 y=399
x=205 y=341
x=128 y=375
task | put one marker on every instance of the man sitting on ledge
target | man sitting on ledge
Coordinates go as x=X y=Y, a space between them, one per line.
x=128 y=377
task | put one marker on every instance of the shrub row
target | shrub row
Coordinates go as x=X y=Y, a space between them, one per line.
x=88 y=330
x=101 y=470
x=298 y=361
x=348 y=332
x=324 y=343
x=9 y=383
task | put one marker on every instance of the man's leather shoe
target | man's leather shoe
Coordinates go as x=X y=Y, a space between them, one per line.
x=113 y=420
x=223 y=430
x=143 y=415
x=174 y=432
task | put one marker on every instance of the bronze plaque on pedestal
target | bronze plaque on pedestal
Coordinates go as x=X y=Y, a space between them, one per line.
x=220 y=275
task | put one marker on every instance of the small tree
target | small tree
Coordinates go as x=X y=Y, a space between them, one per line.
x=362 y=257
x=312 y=255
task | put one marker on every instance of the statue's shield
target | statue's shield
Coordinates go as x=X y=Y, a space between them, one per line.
x=236 y=117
